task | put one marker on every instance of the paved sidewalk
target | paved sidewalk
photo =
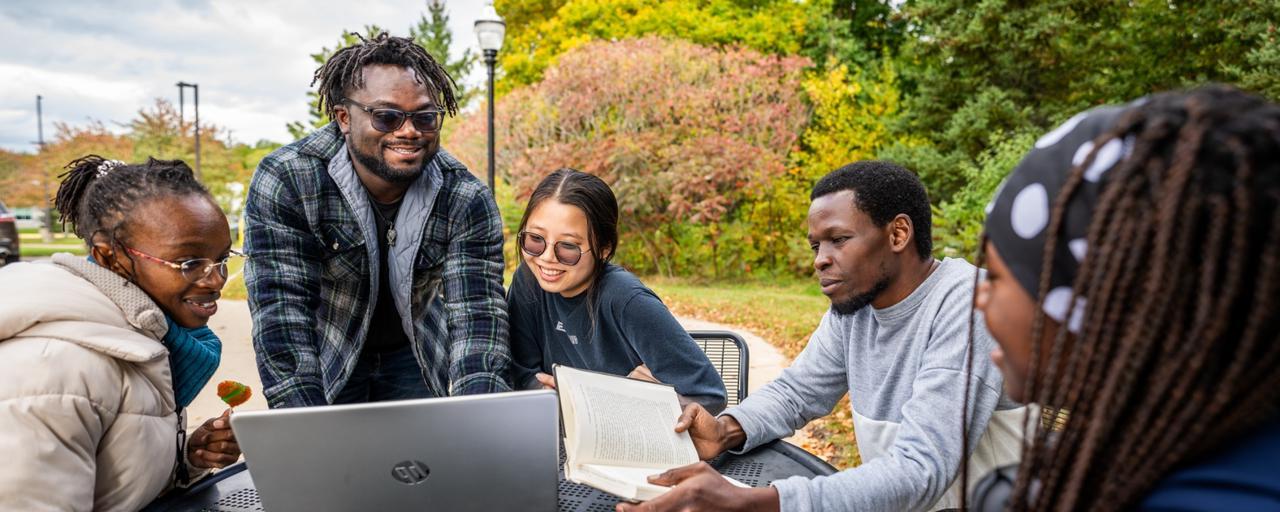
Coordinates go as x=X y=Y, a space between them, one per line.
x=234 y=326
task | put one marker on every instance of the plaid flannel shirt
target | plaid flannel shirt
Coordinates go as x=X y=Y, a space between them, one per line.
x=311 y=284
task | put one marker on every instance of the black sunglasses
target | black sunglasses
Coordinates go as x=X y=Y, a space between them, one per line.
x=388 y=120
x=533 y=244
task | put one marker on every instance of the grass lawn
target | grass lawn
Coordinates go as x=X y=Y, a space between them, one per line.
x=782 y=311
x=785 y=311
x=234 y=288
x=36 y=231
x=31 y=245
x=44 y=251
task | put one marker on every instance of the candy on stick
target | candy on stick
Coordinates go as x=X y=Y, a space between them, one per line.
x=233 y=393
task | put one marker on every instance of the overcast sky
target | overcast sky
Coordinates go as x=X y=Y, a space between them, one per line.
x=104 y=60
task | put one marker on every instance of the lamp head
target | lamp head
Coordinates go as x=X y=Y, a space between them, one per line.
x=490 y=29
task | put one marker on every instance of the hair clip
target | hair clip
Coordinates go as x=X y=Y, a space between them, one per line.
x=107 y=165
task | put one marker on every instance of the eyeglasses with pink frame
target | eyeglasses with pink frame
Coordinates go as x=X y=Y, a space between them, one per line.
x=193 y=270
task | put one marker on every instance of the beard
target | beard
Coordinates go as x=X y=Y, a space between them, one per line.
x=861 y=300
x=378 y=166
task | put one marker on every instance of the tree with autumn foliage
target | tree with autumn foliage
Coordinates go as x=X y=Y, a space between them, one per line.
x=157 y=131
x=33 y=178
x=685 y=139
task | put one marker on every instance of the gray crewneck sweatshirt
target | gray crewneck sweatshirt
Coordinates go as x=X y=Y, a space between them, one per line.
x=904 y=368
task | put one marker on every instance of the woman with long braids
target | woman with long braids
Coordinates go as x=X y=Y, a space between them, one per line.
x=100 y=355
x=1134 y=267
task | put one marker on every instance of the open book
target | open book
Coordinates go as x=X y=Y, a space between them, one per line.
x=619 y=431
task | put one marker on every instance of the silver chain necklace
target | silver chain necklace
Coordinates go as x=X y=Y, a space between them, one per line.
x=391 y=225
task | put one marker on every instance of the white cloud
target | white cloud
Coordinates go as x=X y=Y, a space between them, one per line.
x=105 y=60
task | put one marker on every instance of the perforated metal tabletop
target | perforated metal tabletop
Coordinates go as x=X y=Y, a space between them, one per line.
x=232 y=489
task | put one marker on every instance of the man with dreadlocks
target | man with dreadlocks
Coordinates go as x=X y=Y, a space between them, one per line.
x=375 y=258
x=1134 y=273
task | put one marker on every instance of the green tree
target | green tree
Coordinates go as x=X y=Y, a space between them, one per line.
x=539 y=31
x=985 y=71
x=158 y=132
x=1260 y=69
x=982 y=78
x=856 y=33
x=957 y=221
x=432 y=34
x=318 y=118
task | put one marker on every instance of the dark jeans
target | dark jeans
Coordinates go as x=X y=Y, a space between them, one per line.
x=382 y=376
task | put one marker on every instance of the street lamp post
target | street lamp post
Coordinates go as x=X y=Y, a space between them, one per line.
x=196 y=88
x=47 y=233
x=489 y=31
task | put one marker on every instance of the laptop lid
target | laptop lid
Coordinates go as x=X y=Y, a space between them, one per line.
x=479 y=452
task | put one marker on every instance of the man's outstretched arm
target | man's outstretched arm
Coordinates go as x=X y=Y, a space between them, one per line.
x=479 y=352
x=282 y=275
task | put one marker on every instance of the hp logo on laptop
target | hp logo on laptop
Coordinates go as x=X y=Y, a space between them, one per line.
x=410 y=472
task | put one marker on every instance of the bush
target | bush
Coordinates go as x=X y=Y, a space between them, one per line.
x=684 y=134
x=957 y=222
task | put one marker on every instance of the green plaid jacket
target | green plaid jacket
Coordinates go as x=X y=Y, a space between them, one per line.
x=311 y=284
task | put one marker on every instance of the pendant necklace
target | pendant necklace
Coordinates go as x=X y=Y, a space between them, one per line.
x=391 y=226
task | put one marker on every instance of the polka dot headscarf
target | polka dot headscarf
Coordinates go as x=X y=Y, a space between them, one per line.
x=1018 y=217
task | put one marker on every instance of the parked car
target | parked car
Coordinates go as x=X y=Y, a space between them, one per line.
x=8 y=236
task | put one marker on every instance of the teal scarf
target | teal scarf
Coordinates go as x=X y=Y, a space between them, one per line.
x=194 y=354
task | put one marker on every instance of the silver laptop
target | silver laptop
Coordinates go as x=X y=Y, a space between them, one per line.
x=481 y=452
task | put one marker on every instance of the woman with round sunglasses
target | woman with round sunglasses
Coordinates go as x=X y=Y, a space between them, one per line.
x=569 y=305
x=100 y=355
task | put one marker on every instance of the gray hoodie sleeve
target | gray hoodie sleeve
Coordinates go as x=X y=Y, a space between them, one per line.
x=806 y=390
x=920 y=462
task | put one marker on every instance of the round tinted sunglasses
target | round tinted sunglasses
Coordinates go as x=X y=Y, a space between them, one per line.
x=533 y=244
x=388 y=120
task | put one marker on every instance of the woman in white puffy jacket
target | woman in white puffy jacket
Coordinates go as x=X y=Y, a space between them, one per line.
x=99 y=355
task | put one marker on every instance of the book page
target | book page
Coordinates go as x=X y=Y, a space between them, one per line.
x=630 y=482
x=625 y=422
x=625 y=482
x=635 y=431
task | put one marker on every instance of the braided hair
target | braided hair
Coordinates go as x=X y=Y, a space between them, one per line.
x=97 y=195
x=344 y=71
x=1177 y=351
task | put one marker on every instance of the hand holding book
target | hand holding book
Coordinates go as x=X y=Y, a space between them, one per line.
x=699 y=487
x=618 y=432
x=711 y=435
x=639 y=373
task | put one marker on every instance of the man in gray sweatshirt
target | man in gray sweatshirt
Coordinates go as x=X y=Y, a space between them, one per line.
x=902 y=361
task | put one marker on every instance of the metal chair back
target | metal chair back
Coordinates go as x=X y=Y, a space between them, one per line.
x=728 y=354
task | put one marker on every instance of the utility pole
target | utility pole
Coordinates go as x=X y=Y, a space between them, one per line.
x=46 y=233
x=196 y=88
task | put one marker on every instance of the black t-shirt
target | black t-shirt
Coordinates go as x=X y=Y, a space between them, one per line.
x=386 y=333
x=626 y=326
